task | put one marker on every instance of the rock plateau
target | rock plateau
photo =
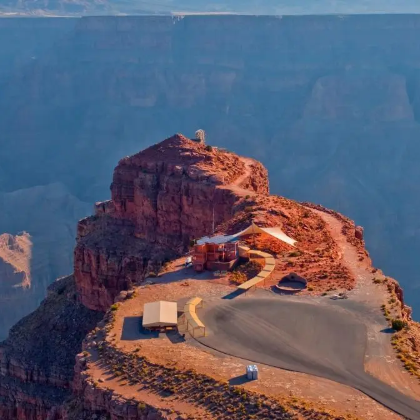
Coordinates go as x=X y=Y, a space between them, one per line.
x=161 y=199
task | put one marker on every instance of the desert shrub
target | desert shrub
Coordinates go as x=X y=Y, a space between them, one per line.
x=398 y=324
x=295 y=254
x=377 y=281
x=245 y=272
x=114 y=307
x=209 y=148
x=238 y=278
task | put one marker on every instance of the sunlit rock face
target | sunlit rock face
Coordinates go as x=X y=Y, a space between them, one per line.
x=329 y=104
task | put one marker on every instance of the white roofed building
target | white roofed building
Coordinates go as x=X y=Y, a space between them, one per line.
x=276 y=232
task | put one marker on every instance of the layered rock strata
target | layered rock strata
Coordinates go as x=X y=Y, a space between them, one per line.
x=15 y=279
x=37 y=359
x=162 y=198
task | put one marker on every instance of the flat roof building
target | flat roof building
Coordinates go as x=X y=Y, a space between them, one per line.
x=160 y=314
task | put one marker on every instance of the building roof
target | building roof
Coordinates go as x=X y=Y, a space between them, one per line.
x=160 y=314
x=253 y=228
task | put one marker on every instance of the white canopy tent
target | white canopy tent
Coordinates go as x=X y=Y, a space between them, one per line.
x=276 y=232
x=160 y=314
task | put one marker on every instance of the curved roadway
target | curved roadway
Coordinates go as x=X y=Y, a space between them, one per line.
x=317 y=339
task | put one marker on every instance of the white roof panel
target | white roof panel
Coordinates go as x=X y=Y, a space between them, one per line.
x=253 y=228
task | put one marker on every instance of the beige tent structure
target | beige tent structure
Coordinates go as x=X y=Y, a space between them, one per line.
x=276 y=232
x=160 y=314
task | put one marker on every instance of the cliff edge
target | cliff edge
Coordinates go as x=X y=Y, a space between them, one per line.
x=161 y=199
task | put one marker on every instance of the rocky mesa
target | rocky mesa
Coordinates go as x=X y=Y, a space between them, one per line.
x=161 y=199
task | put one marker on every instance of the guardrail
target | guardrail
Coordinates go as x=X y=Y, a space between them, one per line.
x=190 y=319
x=263 y=274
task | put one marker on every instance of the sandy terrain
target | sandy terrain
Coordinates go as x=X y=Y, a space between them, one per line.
x=359 y=335
x=285 y=385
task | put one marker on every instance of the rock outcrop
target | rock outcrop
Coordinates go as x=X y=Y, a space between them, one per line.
x=162 y=198
x=37 y=359
x=335 y=120
x=15 y=279
x=49 y=215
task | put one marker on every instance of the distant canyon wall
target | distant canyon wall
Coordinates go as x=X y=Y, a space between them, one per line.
x=330 y=105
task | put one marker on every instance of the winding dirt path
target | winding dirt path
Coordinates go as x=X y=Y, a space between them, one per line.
x=380 y=358
x=236 y=185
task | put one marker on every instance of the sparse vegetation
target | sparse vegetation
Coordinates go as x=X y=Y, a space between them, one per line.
x=245 y=272
x=220 y=399
x=398 y=324
x=296 y=253
x=208 y=148
x=114 y=307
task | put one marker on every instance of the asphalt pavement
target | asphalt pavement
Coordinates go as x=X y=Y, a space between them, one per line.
x=321 y=340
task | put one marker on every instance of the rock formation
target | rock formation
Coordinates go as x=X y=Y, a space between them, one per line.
x=49 y=214
x=335 y=120
x=15 y=279
x=37 y=359
x=162 y=198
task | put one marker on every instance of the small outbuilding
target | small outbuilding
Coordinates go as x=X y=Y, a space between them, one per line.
x=161 y=314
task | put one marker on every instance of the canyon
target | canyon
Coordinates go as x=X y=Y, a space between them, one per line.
x=53 y=363
x=329 y=104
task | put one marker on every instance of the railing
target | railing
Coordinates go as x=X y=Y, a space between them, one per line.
x=263 y=274
x=189 y=319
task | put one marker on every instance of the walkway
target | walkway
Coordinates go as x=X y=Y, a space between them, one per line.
x=380 y=359
x=263 y=274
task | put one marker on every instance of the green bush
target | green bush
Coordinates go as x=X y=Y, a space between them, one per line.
x=114 y=307
x=209 y=148
x=295 y=254
x=398 y=324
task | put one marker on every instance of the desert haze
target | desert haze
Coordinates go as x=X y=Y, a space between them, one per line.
x=331 y=105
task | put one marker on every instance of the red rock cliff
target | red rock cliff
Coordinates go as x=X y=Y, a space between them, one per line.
x=162 y=198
